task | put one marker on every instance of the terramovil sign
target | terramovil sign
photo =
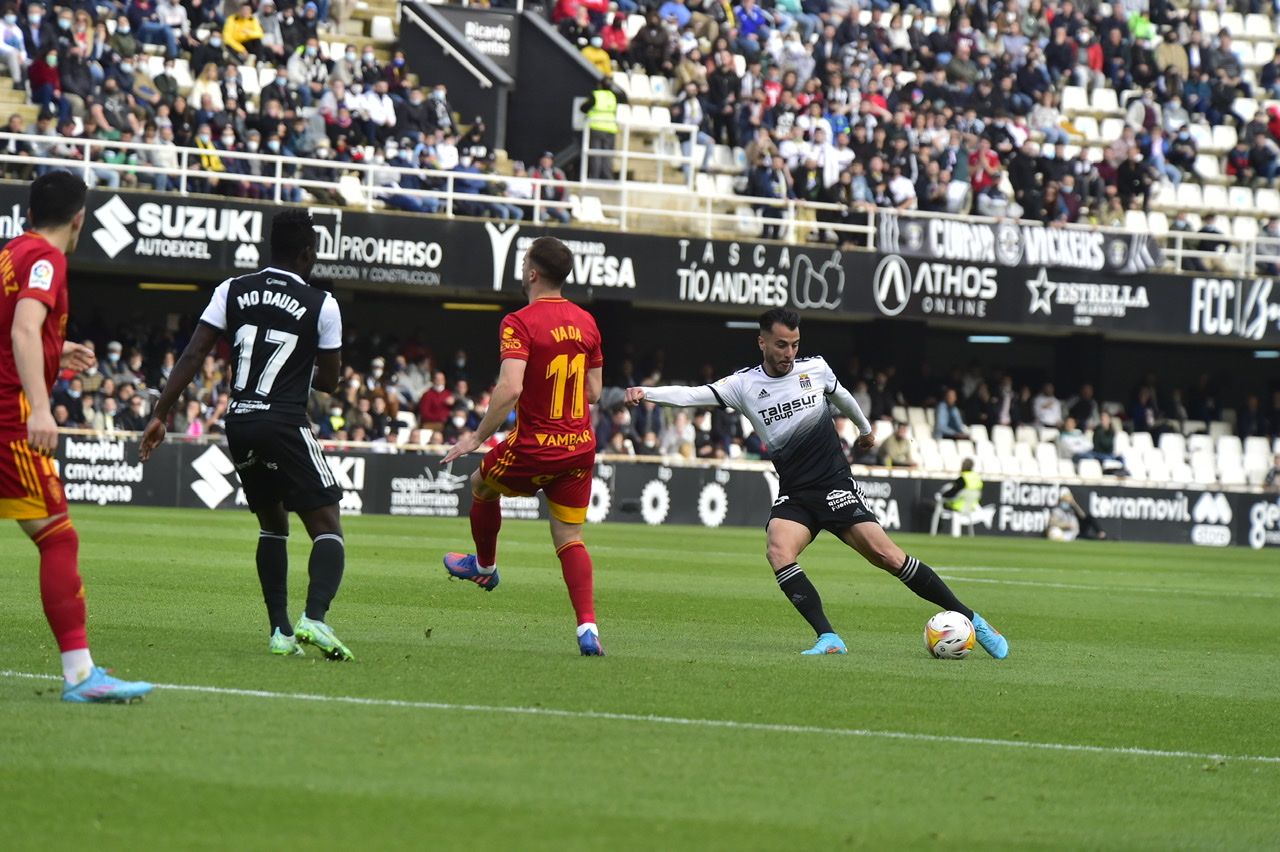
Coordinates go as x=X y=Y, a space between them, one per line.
x=1016 y=244
x=106 y=471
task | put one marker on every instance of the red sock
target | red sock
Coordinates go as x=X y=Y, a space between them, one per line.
x=486 y=521
x=60 y=588
x=575 y=564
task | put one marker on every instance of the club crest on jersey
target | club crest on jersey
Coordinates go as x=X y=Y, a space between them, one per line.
x=805 y=383
x=41 y=276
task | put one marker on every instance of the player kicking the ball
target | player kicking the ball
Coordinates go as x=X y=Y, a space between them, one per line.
x=282 y=329
x=33 y=327
x=785 y=398
x=551 y=369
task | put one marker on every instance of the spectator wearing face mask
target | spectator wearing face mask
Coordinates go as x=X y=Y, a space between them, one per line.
x=308 y=70
x=272 y=38
x=441 y=111
x=13 y=48
x=280 y=91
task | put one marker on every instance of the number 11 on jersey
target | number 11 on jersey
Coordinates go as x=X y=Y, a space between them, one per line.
x=562 y=369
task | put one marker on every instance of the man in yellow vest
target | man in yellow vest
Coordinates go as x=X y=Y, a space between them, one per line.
x=954 y=496
x=602 y=126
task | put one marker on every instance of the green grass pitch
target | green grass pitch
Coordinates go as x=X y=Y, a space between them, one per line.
x=1158 y=656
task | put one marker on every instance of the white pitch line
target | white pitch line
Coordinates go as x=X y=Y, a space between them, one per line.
x=951 y=575
x=729 y=724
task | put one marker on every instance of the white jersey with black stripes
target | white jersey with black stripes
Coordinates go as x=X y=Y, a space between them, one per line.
x=790 y=414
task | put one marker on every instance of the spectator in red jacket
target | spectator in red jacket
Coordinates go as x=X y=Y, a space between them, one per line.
x=436 y=403
x=615 y=38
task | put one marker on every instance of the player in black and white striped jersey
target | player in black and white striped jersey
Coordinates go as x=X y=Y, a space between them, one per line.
x=786 y=400
x=287 y=337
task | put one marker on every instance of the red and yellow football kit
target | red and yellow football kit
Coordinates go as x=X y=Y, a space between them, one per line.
x=552 y=447
x=30 y=268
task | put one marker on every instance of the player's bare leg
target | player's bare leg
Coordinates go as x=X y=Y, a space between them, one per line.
x=786 y=541
x=273 y=573
x=328 y=559
x=874 y=544
x=575 y=566
x=62 y=594
x=481 y=567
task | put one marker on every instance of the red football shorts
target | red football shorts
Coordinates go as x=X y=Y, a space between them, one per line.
x=29 y=486
x=566 y=482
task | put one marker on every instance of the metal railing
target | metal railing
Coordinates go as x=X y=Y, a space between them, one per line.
x=622 y=203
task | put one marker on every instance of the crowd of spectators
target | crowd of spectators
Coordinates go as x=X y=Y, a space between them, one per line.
x=445 y=397
x=958 y=117
x=87 y=66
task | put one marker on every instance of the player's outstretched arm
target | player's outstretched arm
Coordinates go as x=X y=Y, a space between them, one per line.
x=183 y=373
x=501 y=401
x=845 y=402
x=675 y=397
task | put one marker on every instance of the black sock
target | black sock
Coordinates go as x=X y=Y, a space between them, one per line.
x=273 y=574
x=328 y=555
x=804 y=597
x=922 y=580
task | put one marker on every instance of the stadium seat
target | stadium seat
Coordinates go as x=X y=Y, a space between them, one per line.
x=1220 y=428
x=722 y=158
x=1135 y=220
x=1224 y=137
x=1231 y=475
x=1256 y=446
x=1104 y=101
x=1243 y=51
x=1158 y=223
x=1089 y=469
x=640 y=91
x=659 y=116
x=660 y=89
x=1173 y=445
x=1209 y=22
x=1208 y=167
x=1258 y=28
x=1246 y=108
x=1264 y=51
x=1233 y=22
x=623 y=114
x=622 y=81
x=978 y=434
x=1137 y=469
x=351 y=190
x=1194 y=427
x=915 y=414
x=1002 y=439
x=1112 y=128
x=593 y=210
x=1267 y=201
x=704 y=184
x=1244 y=227
x=1189 y=195
x=1239 y=198
x=1122 y=442
x=635 y=23
x=1215 y=197
x=249 y=79
x=724 y=185
x=1047 y=459
x=1199 y=444
x=900 y=413
x=1074 y=99
x=1202 y=471
x=381 y=28
x=1027 y=435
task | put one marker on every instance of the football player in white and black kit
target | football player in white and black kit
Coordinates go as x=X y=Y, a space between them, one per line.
x=785 y=399
x=283 y=331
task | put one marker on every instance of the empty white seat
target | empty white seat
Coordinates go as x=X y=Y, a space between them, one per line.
x=915 y=414
x=1244 y=228
x=978 y=434
x=1229 y=446
x=1219 y=428
x=1104 y=100
x=1199 y=444
x=1215 y=197
x=1255 y=446
x=660 y=89
x=640 y=91
x=1208 y=167
x=1112 y=128
x=1027 y=435
x=1209 y=22
x=1267 y=201
x=1246 y=108
x=1002 y=439
x=1135 y=220
x=1264 y=51
x=1122 y=443
x=724 y=185
x=1258 y=27
x=381 y=28
x=1173 y=445
x=1224 y=137
x=1231 y=475
x=1189 y=195
x=1089 y=469
x=1158 y=223
x=593 y=209
x=1202 y=472
x=1232 y=22
x=1240 y=198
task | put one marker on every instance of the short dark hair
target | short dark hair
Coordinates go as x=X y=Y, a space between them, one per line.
x=551 y=257
x=292 y=233
x=55 y=199
x=786 y=316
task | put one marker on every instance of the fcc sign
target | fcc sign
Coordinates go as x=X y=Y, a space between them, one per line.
x=892 y=285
